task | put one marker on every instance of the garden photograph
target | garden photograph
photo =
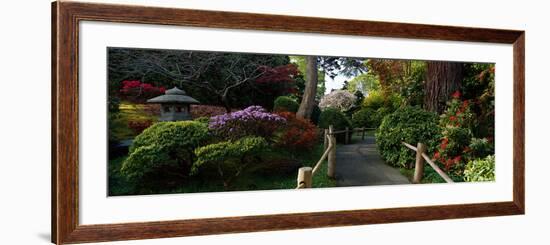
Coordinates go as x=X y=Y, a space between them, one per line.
x=182 y=121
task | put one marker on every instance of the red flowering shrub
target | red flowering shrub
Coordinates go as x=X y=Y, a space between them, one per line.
x=139 y=126
x=297 y=134
x=206 y=111
x=136 y=91
x=457 y=122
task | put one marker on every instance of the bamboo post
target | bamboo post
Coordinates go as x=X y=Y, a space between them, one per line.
x=363 y=135
x=347 y=136
x=325 y=140
x=419 y=164
x=304 y=177
x=331 y=154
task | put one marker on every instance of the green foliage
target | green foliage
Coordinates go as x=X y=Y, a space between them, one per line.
x=457 y=139
x=334 y=117
x=481 y=147
x=163 y=148
x=229 y=157
x=369 y=118
x=407 y=124
x=364 y=82
x=456 y=122
x=300 y=61
x=480 y=169
x=285 y=103
x=363 y=118
x=479 y=86
x=146 y=160
x=204 y=120
x=315 y=114
x=412 y=83
x=119 y=122
x=374 y=100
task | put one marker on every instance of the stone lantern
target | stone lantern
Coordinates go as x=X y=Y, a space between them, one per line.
x=174 y=105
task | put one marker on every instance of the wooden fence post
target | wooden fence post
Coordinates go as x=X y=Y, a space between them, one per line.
x=325 y=140
x=331 y=154
x=419 y=164
x=347 y=136
x=304 y=177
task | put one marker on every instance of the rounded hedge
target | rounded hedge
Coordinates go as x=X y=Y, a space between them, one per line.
x=285 y=103
x=165 y=146
x=369 y=118
x=407 y=124
x=334 y=117
x=364 y=118
x=228 y=154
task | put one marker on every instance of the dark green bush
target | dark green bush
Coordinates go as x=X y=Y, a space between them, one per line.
x=408 y=124
x=336 y=118
x=363 y=118
x=481 y=148
x=285 y=103
x=164 y=149
x=369 y=118
x=315 y=114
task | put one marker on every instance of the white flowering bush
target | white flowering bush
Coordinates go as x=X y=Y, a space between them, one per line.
x=338 y=99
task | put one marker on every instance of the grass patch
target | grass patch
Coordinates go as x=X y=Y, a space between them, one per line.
x=130 y=112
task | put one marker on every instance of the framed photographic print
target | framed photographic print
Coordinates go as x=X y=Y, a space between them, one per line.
x=174 y=122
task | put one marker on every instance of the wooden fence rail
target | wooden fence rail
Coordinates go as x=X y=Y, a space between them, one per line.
x=305 y=174
x=349 y=132
x=421 y=156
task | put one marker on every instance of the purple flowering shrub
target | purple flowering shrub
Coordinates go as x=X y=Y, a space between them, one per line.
x=252 y=121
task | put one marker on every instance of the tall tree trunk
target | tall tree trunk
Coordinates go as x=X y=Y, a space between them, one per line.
x=442 y=79
x=308 y=100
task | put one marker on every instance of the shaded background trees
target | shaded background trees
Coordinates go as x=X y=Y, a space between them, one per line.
x=225 y=79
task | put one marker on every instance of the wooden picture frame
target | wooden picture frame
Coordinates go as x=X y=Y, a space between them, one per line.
x=65 y=121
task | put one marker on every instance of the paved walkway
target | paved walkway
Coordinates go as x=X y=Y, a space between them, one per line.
x=359 y=164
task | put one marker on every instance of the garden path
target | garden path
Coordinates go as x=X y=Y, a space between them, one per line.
x=359 y=164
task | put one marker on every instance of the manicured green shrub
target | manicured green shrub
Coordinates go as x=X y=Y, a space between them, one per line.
x=363 y=118
x=229 y=157
x=163 y=148
x=381 y=113
x=407 y=124
x=285 y=103
x=336 y=118
x=369 y=118
x=480 y=169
